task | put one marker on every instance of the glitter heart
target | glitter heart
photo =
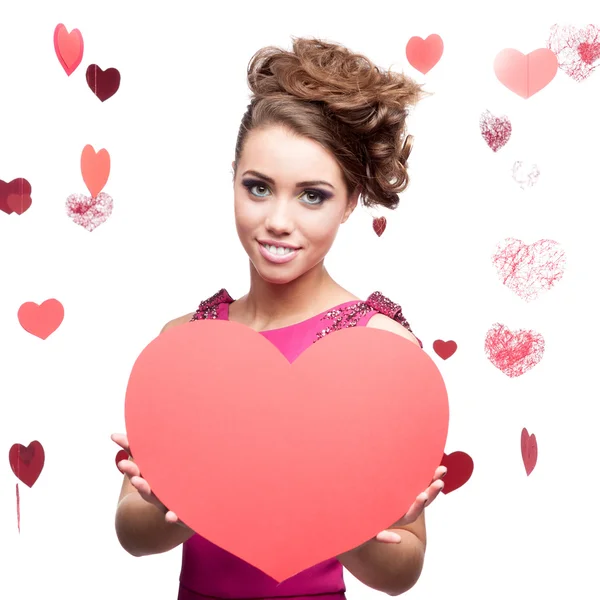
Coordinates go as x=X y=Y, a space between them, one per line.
x=513 y=352
x=576 y=49
x=530 y=269
x=89 y=212
x=525 y=174
x=495 y=130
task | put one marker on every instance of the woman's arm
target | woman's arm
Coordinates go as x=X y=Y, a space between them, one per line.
x=140 y=525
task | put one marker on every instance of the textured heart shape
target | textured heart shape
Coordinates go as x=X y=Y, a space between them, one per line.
x=379 y=225
x=89 y=212
x=577 y=49
x=529 y=269
x=336 y=445
x=460 y=468
x=43 y=319
x=525 y=74
x=496 y=131
x=529 y=451
x=525 y=174
x=422 y=54
x=27 y=462
x=513 y=352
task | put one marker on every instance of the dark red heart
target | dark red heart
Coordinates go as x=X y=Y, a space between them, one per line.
x=379 y=225
x=27 y=462
x=444 y=349
x=19 y=192
x=103 y=83
x=460 y=468
x=529 y=451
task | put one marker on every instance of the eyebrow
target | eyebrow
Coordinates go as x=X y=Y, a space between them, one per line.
x=299 y=184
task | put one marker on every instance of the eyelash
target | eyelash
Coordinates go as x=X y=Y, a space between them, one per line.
x=249 y=184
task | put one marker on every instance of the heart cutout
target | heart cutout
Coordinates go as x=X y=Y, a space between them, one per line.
x=41 y=320
x=103 y=83
x=68 y=48
x=525 y=74
x=460 y=468
x=379 y=225
x=422 y=54
x=95 y=169
x=529 y=451
x=529 y=269
x=15 y=194
x=445 y=349
x=336 y=445
x=27 y=462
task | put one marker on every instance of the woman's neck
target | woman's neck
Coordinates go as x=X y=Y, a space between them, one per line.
x=268 y=305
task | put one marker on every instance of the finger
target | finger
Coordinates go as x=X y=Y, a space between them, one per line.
x=121 y=440
x=388 y=537
x=434 y=490
x=440 y=473
x=129 y=468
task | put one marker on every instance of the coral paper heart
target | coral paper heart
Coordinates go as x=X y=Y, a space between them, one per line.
x=89 y=212
x=422 y=54
x=379 y=225
x=336 y=445
x=529 y=451
x=103 y=83
x=460 y=468
x=95 y=169
x=525 y=74
x=528 y=269
x=68 y=48
x=577 y=49
x=43 y=319
x=27 y=462
x=513 y=352
x=15 y=196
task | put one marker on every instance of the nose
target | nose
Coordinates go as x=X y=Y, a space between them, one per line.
x=279 y=219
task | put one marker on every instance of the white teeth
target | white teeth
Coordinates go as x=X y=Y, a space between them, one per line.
x=278 y=250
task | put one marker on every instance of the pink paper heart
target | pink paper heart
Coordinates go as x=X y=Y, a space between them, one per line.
x=525 y=74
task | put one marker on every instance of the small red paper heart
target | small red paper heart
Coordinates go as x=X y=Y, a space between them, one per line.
x=525 y=74
x=121 y=455
x=27 y=462
x=513 y=352
x=18 y=204
x=460 y=468
x=103 y=83
x=222 y=425
x=17 y=187
x=422 y=54
x=529 y=269
x=43 y=319
x=444 y=349
x=89 y=212
x=68 y=48
x=379 y=225
x=529 y=451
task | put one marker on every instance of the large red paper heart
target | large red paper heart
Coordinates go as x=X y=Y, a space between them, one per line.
x=314 y=457
x=529 y=269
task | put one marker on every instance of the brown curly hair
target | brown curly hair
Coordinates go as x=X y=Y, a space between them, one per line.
x=341 y=100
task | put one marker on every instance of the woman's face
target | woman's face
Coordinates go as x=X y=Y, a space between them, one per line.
x=290 y=200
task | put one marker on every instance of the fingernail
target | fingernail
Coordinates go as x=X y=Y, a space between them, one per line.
x=444 y=474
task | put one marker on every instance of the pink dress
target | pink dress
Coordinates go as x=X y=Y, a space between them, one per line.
x=207 y=571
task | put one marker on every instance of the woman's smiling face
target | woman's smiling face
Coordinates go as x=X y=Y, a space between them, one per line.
x=290 y=199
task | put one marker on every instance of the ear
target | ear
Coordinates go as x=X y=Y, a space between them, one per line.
x=352 y=203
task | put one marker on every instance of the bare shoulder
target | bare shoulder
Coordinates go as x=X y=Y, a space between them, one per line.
x=177 y=321
x=380 y=321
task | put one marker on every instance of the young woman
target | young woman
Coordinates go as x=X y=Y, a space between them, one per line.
x=325 y=127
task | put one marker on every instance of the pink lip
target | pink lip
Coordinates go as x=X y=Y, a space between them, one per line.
x=284 y=258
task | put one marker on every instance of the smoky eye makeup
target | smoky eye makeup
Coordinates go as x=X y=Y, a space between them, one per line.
x=321 y=194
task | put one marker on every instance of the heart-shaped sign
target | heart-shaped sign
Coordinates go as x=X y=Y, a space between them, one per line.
x=27 y=462
x=329 y=449
x=525 y=74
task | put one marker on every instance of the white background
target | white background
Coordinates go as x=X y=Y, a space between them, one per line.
x=170 y=243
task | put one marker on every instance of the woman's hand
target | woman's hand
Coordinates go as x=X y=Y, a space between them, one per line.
x=415 y=511
x=132 y=471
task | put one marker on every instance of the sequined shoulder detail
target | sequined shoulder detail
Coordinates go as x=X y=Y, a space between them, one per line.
x=208 y=308
x=341 y=318
x=377 y=301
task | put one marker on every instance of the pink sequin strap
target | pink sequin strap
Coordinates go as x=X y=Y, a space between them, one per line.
x=208 y=308
x=377 y=301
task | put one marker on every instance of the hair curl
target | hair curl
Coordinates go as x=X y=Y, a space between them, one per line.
x=342 y=101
